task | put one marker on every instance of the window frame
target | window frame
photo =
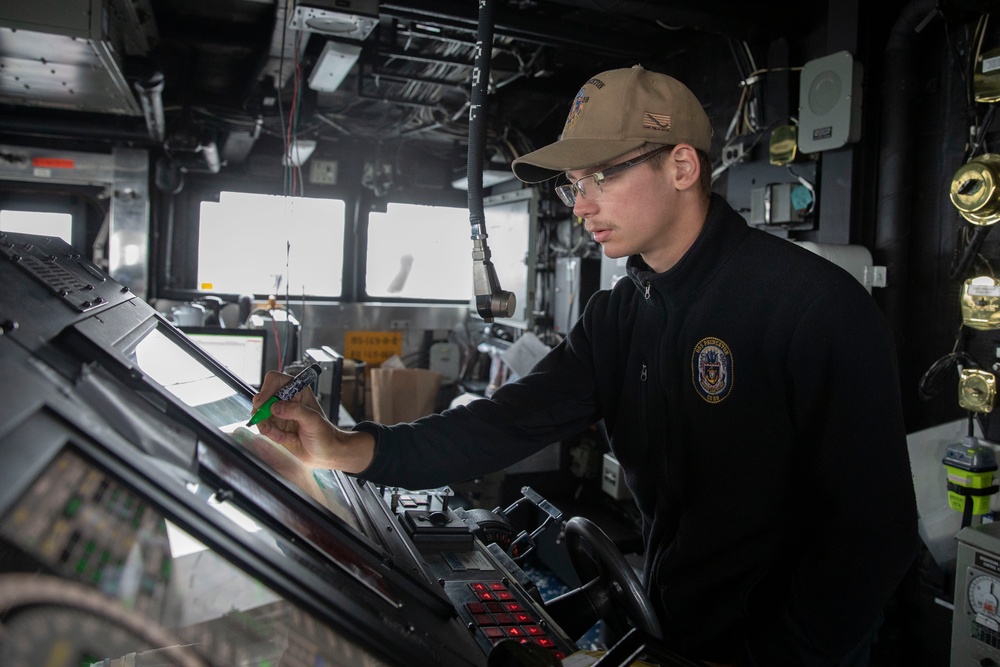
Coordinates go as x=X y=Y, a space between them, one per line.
x=392 y=299
x=177 y=264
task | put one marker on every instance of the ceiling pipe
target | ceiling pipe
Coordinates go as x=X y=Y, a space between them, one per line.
x=150 y=91
x=897 y=145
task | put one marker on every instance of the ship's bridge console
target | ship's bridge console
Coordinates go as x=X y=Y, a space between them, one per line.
x=142 y=523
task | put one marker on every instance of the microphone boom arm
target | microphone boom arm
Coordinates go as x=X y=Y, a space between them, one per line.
x=491 y=300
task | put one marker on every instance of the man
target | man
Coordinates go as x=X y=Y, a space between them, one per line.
x=749 y=389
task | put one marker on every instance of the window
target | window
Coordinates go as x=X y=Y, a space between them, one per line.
x=38 y=222
x=266 y=244
x=420 y=252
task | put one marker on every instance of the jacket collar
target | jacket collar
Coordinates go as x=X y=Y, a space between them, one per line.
x=722 y=232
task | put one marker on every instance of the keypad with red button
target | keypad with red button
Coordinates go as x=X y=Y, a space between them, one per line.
x=495 y=614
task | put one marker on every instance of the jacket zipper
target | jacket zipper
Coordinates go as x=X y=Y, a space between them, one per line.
x=648 y=285
x=643 y=374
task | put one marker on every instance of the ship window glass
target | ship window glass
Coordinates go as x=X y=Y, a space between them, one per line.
x=419 y=252
x=38 y=222
x=267 y=244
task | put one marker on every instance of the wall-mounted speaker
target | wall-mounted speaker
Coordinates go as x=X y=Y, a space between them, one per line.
x=829 y=103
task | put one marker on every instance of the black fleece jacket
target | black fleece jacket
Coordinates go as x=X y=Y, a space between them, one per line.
x=751 y=395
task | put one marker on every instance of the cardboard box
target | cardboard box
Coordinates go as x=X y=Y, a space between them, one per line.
x=403 y=394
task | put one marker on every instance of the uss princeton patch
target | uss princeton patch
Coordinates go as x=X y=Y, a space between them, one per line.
x=712 y=369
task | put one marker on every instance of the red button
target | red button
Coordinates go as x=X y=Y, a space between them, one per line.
x=505 y=595
x=494 y=607
x=513 y=606
x=483 y=619
x=497 y=586
x=505 y=619
x=544 y=641
x=493 y=632
x=475 y=607
x=522 y=617
x=486 y=595
x=478 y=586
x=533 y=630
x=514 y=631
x=559 y=654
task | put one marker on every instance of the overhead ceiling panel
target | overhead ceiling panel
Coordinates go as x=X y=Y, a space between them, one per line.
x=69 y=54
x=55 y=71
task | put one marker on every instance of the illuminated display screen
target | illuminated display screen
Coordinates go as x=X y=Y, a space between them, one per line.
x=193 y=383
x=131 y=586
x=196 y=385
x=239 y=350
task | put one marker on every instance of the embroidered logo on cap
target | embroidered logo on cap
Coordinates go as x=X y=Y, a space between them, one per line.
x=656 y=121
x=576 y=108
x=712 y=369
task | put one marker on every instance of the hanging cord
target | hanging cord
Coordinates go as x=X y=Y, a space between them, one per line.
x=277 y=343
x=930 y=383
x=961 y=262
x=491 y=300
x=293 y=183
x=277 y=90
x=807 y=185
x=288 y=310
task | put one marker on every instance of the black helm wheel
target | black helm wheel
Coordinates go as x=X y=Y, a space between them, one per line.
x=595 y=556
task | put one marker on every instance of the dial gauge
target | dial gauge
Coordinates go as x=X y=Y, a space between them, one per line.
x=984 y=590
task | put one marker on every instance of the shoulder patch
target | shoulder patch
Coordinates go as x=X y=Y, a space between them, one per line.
x=712 y=369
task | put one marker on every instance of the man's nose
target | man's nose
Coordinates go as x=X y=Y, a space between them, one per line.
x=583 y=207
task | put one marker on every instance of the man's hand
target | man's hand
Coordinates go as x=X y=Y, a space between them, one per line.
x=280 y=460
x=300 y=426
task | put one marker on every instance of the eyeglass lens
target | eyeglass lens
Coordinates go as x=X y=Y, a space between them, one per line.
x=569 y=191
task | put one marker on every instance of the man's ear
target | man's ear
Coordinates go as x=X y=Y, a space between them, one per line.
x=687 y=166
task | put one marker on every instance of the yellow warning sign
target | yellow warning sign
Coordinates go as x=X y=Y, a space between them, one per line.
x=372 y=347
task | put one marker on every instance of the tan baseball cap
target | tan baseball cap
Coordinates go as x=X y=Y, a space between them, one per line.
x=614 y=113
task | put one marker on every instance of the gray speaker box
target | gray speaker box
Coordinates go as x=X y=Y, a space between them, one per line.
x=829 y=103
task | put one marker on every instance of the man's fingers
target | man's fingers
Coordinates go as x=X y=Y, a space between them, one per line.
x=273 y=381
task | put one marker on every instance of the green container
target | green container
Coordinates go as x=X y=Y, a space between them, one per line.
x=970 y=467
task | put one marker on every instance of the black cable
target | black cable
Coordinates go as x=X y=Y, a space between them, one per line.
x=983 y=130
x=971 y=250
x=929 y=385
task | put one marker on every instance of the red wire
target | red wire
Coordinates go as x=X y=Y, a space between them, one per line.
x=277 y=341
x=293 y=112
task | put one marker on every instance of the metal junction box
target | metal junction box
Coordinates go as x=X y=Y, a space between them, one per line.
x=975 y=634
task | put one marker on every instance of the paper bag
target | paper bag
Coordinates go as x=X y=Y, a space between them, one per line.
x=403 y=394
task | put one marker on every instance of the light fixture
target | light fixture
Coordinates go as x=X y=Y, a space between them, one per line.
x=348 y=19
x=333 y=66
x=298 y=152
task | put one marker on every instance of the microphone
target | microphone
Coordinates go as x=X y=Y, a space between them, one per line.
x=491 y=300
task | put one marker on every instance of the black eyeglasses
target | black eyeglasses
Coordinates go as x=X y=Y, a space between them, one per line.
x=592 y=182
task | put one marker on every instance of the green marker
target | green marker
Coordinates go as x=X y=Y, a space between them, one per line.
x=298 y=383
